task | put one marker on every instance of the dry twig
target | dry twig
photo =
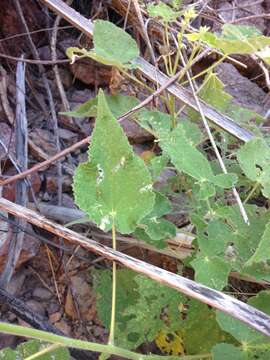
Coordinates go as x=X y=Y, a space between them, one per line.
x=50 y=98
x=15 y=245
x=235 y=308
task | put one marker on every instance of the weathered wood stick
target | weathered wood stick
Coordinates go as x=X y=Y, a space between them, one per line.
x=149 y=71
x=235 y=308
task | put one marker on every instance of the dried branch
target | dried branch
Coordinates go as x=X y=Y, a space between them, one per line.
x=21 y=135
x=235 y=308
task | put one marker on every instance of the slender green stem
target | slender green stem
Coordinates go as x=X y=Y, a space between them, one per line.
x=207 y=70
x=133 y=78
x=84 y=345
x=211 y=214
x=113 y=310
x=251 y=193
x=171 y=102
x=168 y=47
x=172 y=110
x=43 y=351
x=65 y=341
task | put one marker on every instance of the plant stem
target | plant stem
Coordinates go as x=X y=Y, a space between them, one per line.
x=65 y=341
x=84 y=345
x=167 y=42
x=207 y=70
x=43 y=351
x=113 y=310
x=209 y=208
x=252 y=191
x=133 y=78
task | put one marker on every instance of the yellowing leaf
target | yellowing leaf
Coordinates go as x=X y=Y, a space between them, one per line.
x=170 y=343
x=114 y=185
x=265 y=55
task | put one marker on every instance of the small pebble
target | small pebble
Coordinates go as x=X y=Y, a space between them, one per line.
x=42 y=294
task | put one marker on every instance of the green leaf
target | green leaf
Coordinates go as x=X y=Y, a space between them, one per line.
x=185 y=157
x=126 y=294
x=254 y=159
x=199 y=327
x=237 y=329
x=219 y=235
x=159 y=229
x=176 y=3
x=145 y=315
x=192 y=132
x=247 y=336
x=162 y=10
x=157 y=165
x=244 y=239
x=225 y=181
x=115 y=185
x=118 y=104
x=146 y=307
x=213 y=92
x=155 y=122
x=245 y=116
x=262 y=252
x=261 y=301
x=230 y=240
x=212 y=272
x=206 y=190
x=239 y=32
x=224 y=351
x=32 y=347
x=234 y=39
x=112 y=46
x=180 y=146
x=87 y=109
x=154 y=227
x=162 y=206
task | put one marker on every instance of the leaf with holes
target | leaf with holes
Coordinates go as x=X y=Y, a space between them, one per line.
x=114 y=186
x=254 y=159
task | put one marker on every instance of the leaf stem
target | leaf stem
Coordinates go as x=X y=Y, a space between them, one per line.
x=44 y=351
x=83 y=345
x=252 y=191
x=210 y=68
x=133 y=78
x=211 y=214
x=113 y=309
